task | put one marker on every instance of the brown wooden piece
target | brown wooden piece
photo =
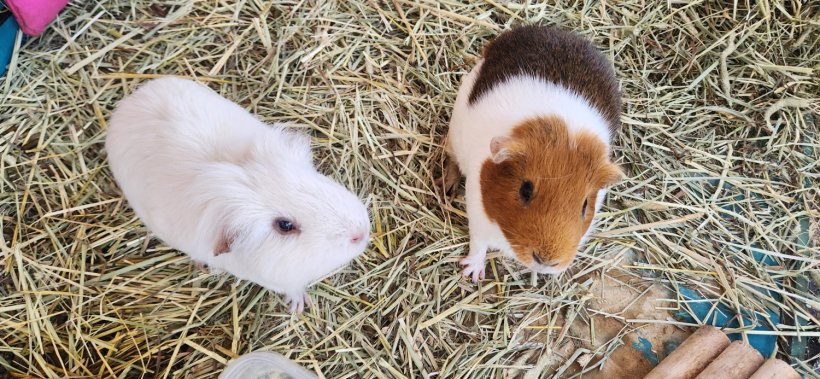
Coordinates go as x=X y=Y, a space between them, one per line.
x=775 y=369
x=739 y=361
x=692 y=356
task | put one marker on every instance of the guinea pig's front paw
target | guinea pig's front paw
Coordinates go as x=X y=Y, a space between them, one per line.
x=202 y=267
x=297 y=301
x=473 y=267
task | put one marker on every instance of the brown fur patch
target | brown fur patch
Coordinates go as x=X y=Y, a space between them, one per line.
x=556 y=56
x=565 y=169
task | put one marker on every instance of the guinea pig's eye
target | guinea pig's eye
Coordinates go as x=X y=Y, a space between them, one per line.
x=285 y=225
x=584 y=208
x=525 y=192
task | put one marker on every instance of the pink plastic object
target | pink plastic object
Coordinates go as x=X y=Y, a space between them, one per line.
x=34 y=15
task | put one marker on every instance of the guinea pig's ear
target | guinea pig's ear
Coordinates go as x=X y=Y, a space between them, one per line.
x=224 y=242
x=500 y=149
x=608 y=174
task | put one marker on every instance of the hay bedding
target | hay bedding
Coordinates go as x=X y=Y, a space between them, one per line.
x=720 y=138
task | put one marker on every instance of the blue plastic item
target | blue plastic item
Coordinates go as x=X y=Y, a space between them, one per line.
x=721 y=315
x=646 y=349
x=8 y=34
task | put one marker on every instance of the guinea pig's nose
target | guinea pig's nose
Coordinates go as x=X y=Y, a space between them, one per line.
x=548 y=265
x=357 y=237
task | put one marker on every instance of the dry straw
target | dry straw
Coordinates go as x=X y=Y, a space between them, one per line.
x=720 y=139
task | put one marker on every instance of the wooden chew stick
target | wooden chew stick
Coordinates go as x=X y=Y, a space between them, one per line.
x=739 y=361
x=692 y=356
x=775 y=369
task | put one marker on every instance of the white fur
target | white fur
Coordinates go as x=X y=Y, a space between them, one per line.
x=192 y=164
x=495 y=114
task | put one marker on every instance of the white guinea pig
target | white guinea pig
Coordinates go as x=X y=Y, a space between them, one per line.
x=531 y=132
x=211 y=180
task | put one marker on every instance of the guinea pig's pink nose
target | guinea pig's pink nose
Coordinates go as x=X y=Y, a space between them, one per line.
x=358 y=237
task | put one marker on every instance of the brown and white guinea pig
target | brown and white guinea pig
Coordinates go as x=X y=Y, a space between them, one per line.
x=211 y=180
x=531 y=133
